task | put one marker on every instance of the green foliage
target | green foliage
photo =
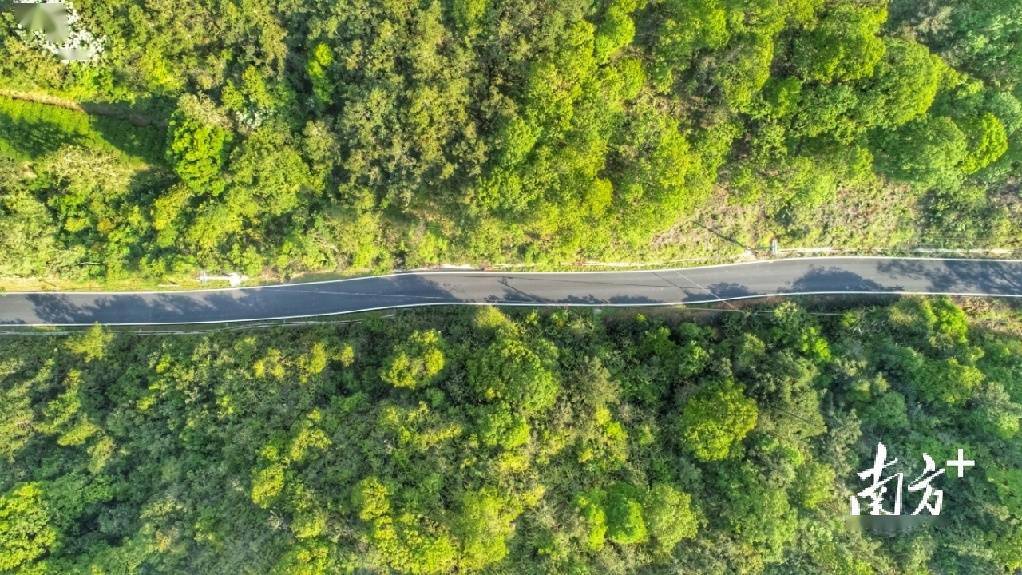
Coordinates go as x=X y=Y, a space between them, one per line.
x=595 y=517
x=844 y=45
x=267 y=484
x=819 y=483
x=607 y=444
x=782 y=95
x=318 y=68
x=759 y=511
x=198 y=144
x=996 y=413
x=625 y=523
x=947 y=381
x=309 y=524
x=686 y=28
x=531 y=452
x=347 y=137
x=303 y=560
x=904 y=86
x=371 y=499
x=887 y=411
x=669 y=515
x=715 y=419
x=928 y=152
x=467 y=13
x=361 y=137
x=499 y=426
x=416 y=363
x=661 y=180
x=25 y=529
x=965 y=215
x=615 y=31
x=981 y=35
x=485 y=525
x=741 y=78
x=405 y=546
x=1008 y=549
x=27 y=240
x=92 y=344
x=510 y=370
x=988 y=142
x=32 y=131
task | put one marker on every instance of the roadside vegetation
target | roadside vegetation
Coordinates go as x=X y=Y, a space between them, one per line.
x=353 y=136
x=482 y=441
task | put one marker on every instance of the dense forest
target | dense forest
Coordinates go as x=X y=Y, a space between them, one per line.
x=275 y=137
x=481 y=441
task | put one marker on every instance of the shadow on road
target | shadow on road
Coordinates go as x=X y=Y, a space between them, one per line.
x=833 y=279
x=730 y=290
x=959 y=276
x=234 y=305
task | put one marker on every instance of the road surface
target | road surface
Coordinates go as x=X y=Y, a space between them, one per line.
x=852 y=275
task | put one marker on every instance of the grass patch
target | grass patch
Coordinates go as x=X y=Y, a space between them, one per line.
x=29 y=130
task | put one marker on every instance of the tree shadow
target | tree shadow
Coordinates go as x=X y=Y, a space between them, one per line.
x=33 y=138
x=960 y=276
x=819 y=279
x=139 y=131
x=722 y=235
x=588 y=289
x=33 y=128
x=730 y=290
x=145 y=142
x=223 y=306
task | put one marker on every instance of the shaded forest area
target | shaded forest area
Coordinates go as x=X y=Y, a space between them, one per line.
x=479 y=441
x=358 y=135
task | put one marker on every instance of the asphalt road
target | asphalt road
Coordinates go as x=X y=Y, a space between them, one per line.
x=999 y=278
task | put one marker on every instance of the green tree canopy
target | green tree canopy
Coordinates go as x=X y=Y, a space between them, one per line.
x=715 y=419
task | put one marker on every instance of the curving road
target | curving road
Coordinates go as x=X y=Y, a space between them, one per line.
x=852 y=275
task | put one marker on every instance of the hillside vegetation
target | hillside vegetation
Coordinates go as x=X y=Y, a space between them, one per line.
x=356 y=135
x=474 y=441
